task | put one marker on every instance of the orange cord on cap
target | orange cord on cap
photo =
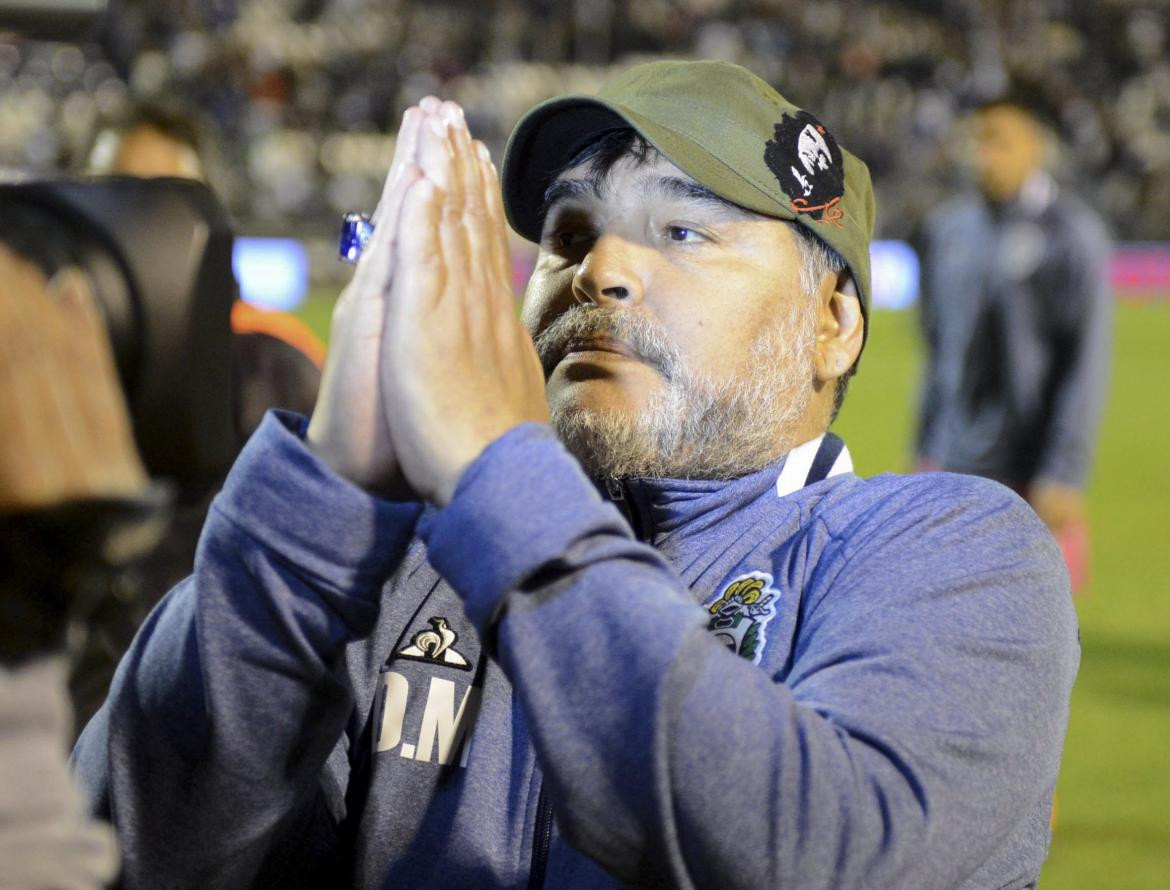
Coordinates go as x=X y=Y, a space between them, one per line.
x=832 y=213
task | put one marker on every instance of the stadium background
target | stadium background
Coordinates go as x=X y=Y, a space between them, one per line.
x=301 y=99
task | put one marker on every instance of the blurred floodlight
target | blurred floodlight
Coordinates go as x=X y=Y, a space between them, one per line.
x=894 y=271
x=273 y=272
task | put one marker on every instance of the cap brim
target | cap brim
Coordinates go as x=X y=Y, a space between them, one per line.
x=544 y=141
x=549 y=136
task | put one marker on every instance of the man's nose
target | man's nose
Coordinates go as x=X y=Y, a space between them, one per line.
x=609 y=271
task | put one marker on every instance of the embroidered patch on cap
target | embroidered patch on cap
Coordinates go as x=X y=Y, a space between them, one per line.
x=806 y=160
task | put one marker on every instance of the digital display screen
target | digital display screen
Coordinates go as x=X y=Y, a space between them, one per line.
x=273 y=272
x=1141 y=271
x=894 y=273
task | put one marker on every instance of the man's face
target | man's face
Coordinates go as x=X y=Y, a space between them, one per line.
x=1009 y=148
x=673 y=329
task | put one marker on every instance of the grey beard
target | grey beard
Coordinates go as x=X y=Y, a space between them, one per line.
x=695 y=427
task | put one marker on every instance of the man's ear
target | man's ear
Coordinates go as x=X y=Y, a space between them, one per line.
x=840 y=327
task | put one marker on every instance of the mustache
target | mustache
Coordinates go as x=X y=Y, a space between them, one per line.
x=637 y=332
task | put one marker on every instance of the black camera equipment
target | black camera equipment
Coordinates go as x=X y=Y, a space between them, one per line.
x=159 y=254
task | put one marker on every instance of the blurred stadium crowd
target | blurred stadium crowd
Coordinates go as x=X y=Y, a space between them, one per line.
x=301 y=97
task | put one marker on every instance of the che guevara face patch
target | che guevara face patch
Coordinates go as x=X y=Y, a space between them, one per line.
x=806 y=161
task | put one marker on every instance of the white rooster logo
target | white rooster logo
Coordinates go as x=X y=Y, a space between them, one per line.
x=435 y=645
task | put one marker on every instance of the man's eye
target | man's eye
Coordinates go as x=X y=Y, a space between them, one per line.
x=682 y=233
x=567 y=240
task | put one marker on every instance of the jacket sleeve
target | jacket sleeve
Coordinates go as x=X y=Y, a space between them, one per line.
x=918 y=728
x=1083 y=347
x=214 y=738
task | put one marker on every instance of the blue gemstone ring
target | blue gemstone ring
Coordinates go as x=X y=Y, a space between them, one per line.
x=356 y=230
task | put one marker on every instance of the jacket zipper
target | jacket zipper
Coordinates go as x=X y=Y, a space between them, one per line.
x=542 y=836
x=540 y=840
x=617 y=494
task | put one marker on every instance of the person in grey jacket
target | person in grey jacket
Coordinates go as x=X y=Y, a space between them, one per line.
x=593 y=599
x=1017 y=321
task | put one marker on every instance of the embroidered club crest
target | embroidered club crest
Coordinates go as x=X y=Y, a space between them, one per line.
x=436 y=645
x=741 y=612
x=806 y=161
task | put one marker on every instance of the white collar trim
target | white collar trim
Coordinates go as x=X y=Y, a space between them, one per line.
x=1037 y=193
x=794 y=475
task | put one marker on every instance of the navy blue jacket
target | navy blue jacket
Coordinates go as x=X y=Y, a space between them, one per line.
x=734 y=684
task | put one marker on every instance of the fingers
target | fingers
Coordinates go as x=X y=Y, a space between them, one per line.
x=454 y=230
x=467 y=248
x=456 y=368
x=372 y=275
x=493 y=201
x=405 y=152
x=489 y=243
x=420 y=277
x=373 y=272
x=468 y=217
x=477 y=249
x=376 y=262
x=434 y=152
x=464 y=164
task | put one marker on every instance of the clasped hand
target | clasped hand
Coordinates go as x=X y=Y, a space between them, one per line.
x=428 y=362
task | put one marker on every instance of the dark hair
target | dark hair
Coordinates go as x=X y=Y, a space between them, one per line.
x=169 y=119
x=610 y=147
x=1026 y=97
x=817 y=257
x=600 y=154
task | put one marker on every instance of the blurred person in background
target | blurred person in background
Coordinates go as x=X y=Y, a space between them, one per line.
x=277 y=364
x=1016 y=314
x=278 y=357
x=75 y=508
x=594 y=599
x=151 y=140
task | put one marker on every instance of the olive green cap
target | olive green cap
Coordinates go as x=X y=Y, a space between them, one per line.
x=722 y=126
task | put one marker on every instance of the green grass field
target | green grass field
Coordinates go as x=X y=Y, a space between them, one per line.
x=1113 y=821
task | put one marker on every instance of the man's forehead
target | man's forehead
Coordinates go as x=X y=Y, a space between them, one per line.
x=654 y=177
x=653 y=162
